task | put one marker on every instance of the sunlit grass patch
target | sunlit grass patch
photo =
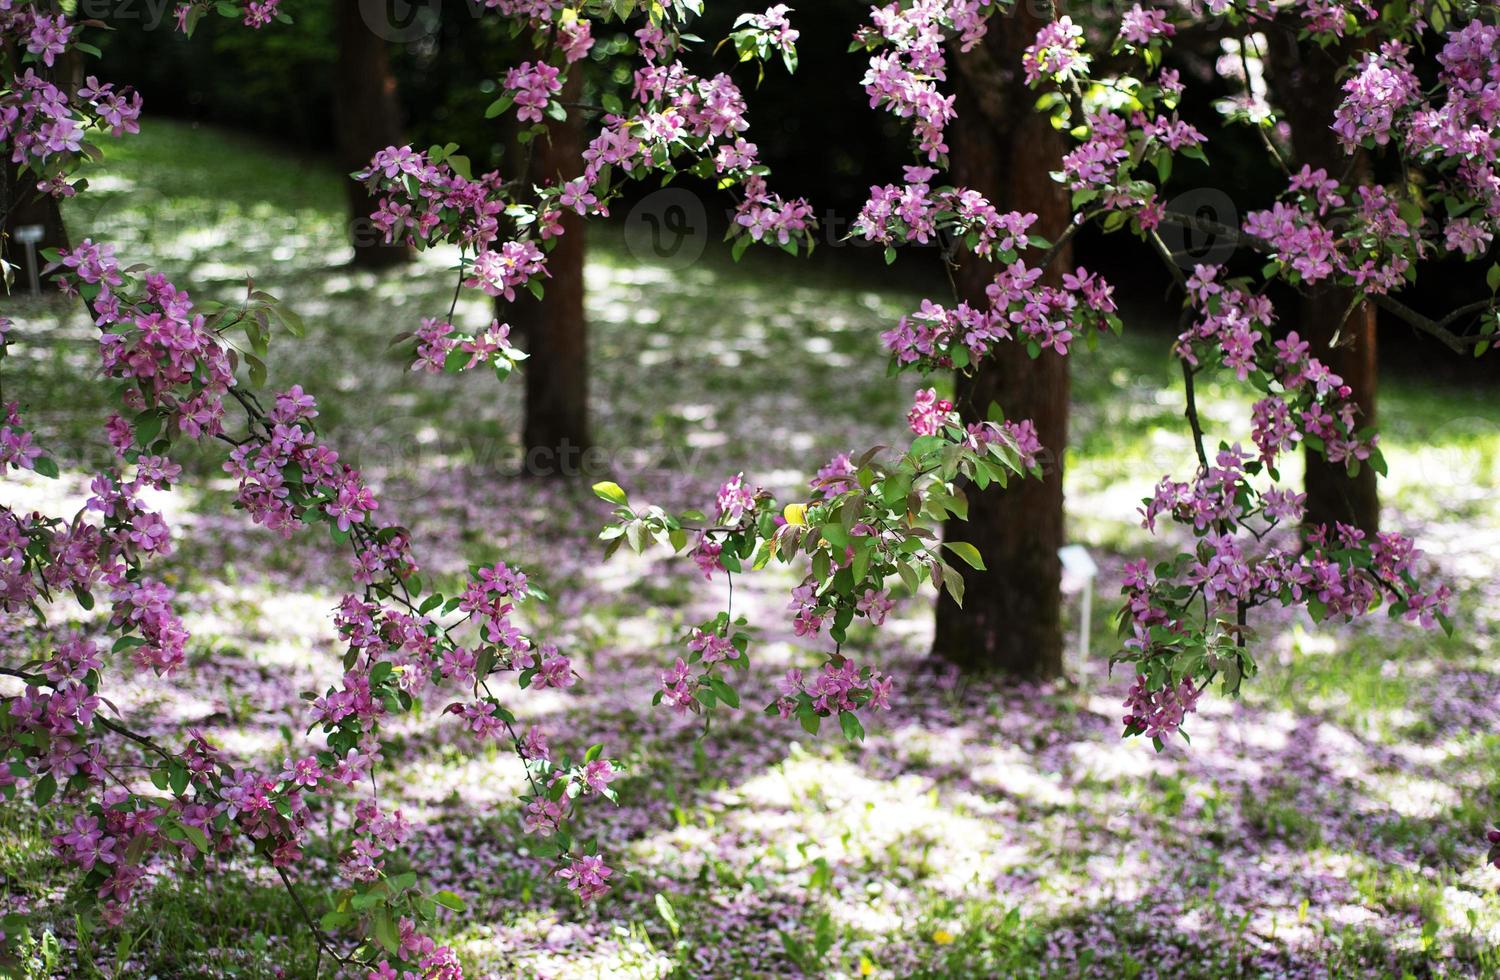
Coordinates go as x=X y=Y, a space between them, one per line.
x=1329 y=823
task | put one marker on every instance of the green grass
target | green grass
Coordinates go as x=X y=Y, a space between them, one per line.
x=846 y=860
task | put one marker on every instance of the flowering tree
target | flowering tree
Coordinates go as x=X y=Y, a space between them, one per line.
x=187 y=372
x=1006 y=151
x=554 y=327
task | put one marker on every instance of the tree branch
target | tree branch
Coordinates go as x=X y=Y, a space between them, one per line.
x=318 y=935
x=1437 y=329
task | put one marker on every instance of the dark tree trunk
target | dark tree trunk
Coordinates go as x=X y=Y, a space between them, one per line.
x=369 y=120
x=25 y=208
x=553 y=329
x=1307 y=88
x=1011 y=618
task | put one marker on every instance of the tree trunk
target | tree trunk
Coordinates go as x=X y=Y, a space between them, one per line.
x=553 y=329
x=1304 y=80
x=22 y=206
x=369 y=120
x=24 y=209
x=1011 y=621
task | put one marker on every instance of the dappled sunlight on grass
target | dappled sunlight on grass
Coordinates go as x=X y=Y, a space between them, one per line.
x=1329 y=822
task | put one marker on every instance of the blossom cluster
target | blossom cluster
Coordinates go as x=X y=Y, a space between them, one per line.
x=254 y=14
x=46 y=126
x=910 y=61
x=674 y=122
x=1021 y=307
x=855 y=533
x=760 y=36
x=176 y=376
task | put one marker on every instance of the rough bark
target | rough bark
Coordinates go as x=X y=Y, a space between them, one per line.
x=368 y=120
x=1342 y=335
x=1011 y=618
x=24 y=206
x=554 y=330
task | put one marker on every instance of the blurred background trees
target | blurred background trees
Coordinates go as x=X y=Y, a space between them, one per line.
x=429 y=79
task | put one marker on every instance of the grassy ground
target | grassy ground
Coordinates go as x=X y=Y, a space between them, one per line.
x=1330 y=823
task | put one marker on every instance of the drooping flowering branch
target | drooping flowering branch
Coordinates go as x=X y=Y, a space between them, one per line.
x=673 y=124
x=177 y=366
x=866 y=522
x=1185 y=622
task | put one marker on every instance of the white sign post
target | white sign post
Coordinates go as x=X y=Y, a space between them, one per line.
x=1078 y=575
x=29 y=235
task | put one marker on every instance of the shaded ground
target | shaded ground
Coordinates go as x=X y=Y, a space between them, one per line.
x=1331 y=823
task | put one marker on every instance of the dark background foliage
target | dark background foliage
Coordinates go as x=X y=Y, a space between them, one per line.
x=815 y=129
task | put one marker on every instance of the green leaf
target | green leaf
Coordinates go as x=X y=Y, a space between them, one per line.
x=726 y=693
x=292 y=321
x=611 y=492
x=967 y=552
x=147 y=426
x=332 y=920
x=45 y=466
x=667 y=913
x=195 y=836
x=448 y=900
x=835 y=535
x=954 y=583
x=177 y=778
x=853 y=730
x=862 y=552
x=909 y=577
x=385 y=932
x=456 y=361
